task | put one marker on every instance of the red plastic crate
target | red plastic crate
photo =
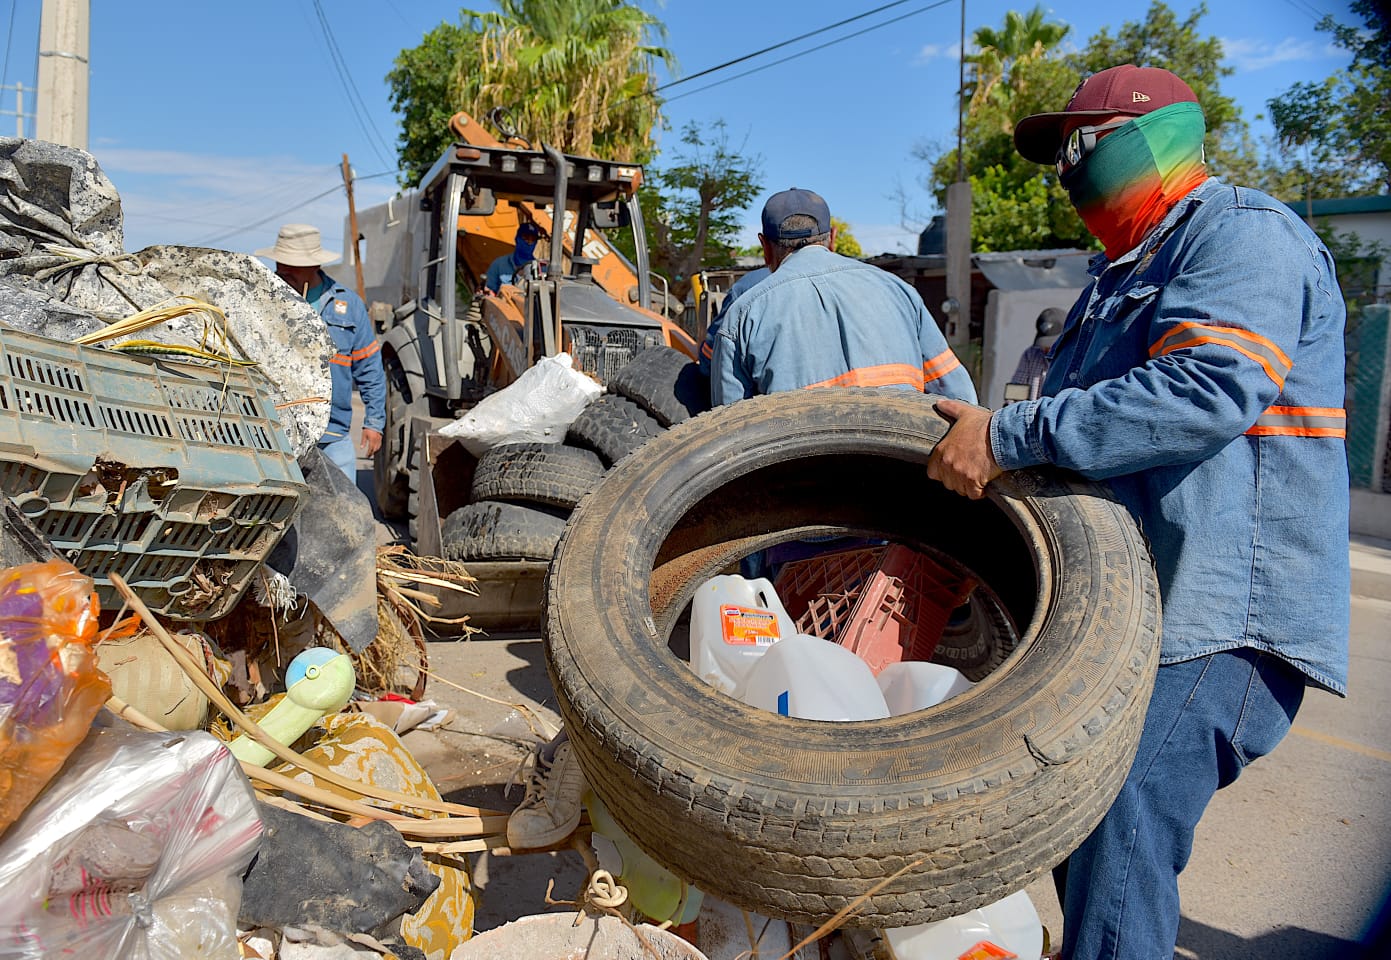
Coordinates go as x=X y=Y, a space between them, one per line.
x=886 y=604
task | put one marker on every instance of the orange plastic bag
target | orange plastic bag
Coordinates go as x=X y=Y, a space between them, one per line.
x=50 y=687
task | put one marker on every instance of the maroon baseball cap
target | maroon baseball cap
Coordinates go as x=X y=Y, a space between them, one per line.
x=1126 y=89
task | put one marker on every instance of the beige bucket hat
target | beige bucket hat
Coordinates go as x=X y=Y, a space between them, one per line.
x=299 y=245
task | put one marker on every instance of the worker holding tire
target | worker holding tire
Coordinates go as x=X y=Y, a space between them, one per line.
x=1201 y=373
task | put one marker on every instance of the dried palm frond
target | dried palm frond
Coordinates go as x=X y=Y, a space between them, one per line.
x=407 y=588
x=214 y=322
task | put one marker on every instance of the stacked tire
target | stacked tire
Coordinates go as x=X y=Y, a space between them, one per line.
x=523 y=493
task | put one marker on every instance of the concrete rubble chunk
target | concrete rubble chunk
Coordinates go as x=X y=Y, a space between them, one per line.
x=64 y=272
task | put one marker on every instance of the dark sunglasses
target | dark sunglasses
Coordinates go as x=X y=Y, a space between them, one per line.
x=1080 y=143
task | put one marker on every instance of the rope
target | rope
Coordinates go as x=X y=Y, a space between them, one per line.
x=602 y=895
x=75 y=258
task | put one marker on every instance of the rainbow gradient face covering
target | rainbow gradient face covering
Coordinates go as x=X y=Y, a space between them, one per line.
x=1135 y=175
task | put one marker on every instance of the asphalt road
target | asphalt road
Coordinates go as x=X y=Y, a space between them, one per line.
x=1292 y=861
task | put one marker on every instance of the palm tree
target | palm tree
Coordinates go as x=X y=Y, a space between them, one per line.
x=1024 y=37
x=577 y=74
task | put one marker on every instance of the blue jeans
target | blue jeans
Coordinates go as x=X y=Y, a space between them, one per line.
x=339 y=451
x=1207 y=719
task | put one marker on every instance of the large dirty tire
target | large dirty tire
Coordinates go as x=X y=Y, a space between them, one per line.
x=664 y=382
x=971 y=799
x=501 y=531
x=555 y=474
x=613 y=427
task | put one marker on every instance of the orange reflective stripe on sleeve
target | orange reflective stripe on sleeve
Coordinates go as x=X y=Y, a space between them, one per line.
x=1300 y=422
x=706 y=352
x=940 y=365
x=1265 y=352
x=342 y=359
x=883 y=375
x=366 y=351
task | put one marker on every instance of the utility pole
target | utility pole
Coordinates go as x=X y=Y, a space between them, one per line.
x=958 y=246
x=64 y=35
x=18 y=111
x=352 y=225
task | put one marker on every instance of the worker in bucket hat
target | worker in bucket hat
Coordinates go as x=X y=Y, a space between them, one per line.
x=299 y=259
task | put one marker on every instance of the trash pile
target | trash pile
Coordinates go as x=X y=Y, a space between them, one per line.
x=207 y=662
x=205 y=657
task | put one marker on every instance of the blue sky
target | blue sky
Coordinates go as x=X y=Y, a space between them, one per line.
x=218 y=121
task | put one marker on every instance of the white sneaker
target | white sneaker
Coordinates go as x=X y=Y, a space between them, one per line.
x=550 y=811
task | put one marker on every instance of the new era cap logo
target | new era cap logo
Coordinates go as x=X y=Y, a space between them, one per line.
x=1137 y=97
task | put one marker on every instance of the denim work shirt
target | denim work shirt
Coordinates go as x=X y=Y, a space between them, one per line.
x=358 y=360
x=1202 y=375
x=739 y=288
x=823 y=320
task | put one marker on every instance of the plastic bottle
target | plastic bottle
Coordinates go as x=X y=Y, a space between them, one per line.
x=317 y=682
x=916 y=685
x=1008 y=927
x=653 y=890
x=814 y=679
x=733 y=622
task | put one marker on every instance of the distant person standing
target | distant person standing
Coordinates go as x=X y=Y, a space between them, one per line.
x=1033 y=365
x=299 y=254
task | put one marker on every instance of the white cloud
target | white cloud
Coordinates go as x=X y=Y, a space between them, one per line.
x=935 y=51
x=1247 y=53
x=195 y=198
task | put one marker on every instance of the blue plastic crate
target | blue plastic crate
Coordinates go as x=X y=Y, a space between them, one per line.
x=177 y=476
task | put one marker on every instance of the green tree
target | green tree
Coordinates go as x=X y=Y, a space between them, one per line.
x=1017 y=202
x=422 y=94
x=1014 y=72
x=1022 y=38
x=845 y=244
x=1342 y=127
x=577 y=74
x=697 y=200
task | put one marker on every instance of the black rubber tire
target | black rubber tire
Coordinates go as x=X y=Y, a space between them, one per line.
x=972 y=799
x=501 y=531
x=613 y=427
x=405 y=395
x=664 y=382
x=554 y=474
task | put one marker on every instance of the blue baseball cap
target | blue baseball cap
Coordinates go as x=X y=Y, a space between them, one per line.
x=791 y=203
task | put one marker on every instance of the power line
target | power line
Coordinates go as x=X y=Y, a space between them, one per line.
x=777 y=46
x=9 y=35
x=359 y=107
x=291 y=209
x=264 y=220
x=803 y=53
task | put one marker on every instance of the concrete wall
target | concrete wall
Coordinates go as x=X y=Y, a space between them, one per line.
x=1009 y=329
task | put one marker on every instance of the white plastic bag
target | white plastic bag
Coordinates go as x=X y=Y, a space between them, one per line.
x=536 y=408
x=134 y=852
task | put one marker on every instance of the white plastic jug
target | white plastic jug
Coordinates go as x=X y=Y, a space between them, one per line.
x=915 y=685
x=1011 y=923
x=733 y=622
x=815 y=679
